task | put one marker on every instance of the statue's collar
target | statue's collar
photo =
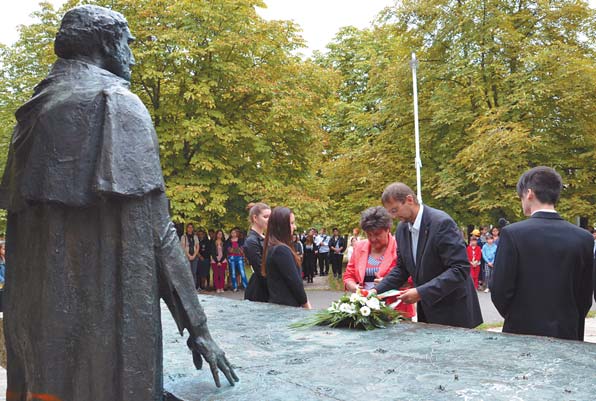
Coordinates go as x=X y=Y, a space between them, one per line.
x=76 y=67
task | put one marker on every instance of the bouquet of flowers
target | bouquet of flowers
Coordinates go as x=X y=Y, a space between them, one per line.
x=360 y=310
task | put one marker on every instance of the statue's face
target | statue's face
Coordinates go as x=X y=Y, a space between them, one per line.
x=119 y=57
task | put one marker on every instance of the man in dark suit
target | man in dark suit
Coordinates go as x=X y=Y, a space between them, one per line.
x=542 y=280
x=337 y=246
x=432 y=251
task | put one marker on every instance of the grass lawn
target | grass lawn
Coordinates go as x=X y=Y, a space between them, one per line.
x=486 y=326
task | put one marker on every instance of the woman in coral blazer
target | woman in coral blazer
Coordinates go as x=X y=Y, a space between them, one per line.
x=373 y=258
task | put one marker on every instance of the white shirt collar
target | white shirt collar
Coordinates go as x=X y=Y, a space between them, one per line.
x=418 y=221
x=544 y=210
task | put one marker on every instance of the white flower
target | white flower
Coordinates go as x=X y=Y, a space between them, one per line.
x=373 y=303
x=362 y=300
x=365 y=311
x=344 y=308
x=351 y=309
x=354 y=297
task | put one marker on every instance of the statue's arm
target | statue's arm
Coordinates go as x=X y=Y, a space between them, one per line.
x=176 y=288
x=175 y=280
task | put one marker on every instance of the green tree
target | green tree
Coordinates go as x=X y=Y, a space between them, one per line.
x=238 y=115
x=503 y=86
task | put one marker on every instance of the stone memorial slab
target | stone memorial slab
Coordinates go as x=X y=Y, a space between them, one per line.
x=407 y=361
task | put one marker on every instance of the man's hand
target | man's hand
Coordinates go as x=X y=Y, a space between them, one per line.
x=204 y=347
x=378 y=280
x=410 y=296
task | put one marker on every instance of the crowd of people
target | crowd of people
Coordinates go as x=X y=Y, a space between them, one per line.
x=539 y=271
x=217 y=260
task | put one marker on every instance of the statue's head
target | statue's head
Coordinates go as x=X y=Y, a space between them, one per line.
x=97 y=35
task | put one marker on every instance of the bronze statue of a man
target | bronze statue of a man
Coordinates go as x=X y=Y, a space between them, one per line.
x=90 y=245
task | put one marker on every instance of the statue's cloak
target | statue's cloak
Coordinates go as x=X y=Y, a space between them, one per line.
x=90 y=245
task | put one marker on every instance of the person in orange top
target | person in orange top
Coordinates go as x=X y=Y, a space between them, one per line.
x=373 y=258
x=474 y=256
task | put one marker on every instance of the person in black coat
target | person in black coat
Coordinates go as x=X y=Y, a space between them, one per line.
x=280 y=264
x=309 y=262
x=439 y=265
x=542 y=279
x=258 y=216
x=337 y=246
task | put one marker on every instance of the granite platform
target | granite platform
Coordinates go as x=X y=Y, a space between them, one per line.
x=407 y=361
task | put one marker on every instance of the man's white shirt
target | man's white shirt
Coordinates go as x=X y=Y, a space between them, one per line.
x=544 y=210
x=415 y=231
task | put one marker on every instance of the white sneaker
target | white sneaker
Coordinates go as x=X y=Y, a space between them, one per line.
x=487 y=290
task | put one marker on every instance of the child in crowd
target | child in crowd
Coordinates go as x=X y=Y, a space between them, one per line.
x=489 y=251
x=495 y=233
x=474 y=256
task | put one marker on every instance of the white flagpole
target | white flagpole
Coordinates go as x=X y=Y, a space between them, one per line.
x=417 y=160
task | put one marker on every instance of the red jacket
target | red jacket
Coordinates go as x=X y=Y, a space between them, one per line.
x=356 y=268
x=474 y=254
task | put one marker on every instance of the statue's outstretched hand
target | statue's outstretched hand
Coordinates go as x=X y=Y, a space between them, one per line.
x=204 y=347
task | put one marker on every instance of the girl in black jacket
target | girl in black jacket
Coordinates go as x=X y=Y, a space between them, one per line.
x=309 y=265
x=253 y=249
x=280 y=263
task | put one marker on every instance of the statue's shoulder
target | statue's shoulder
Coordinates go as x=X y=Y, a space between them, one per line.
x=125 y=105
x=120 y=94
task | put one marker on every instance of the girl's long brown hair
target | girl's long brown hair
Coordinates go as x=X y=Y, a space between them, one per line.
x=279 y=232
x=309 y=240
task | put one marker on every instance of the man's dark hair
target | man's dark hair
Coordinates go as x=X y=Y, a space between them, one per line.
x=375 y=218
x=545 y=182
x=397 y=191
x=86 y=29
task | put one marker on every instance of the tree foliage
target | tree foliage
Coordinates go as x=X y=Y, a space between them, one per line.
x=238 y=115
x=503 y=86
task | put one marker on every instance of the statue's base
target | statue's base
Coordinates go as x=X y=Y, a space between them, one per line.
x=408 y=361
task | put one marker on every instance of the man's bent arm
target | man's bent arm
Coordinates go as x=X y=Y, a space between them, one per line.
x=453 y=255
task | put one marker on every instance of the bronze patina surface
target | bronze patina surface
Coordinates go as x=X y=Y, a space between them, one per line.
x=408 y=361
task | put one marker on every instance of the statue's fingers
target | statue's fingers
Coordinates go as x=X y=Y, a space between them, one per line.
x=215 y=373
x=227 y=370
x=231 y=368
x=197 y=359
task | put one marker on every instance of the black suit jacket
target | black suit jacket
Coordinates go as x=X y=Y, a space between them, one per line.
x=441 y=273
x=283 y=277
x=257 y=285
x=542 y=279
x=339 y=243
